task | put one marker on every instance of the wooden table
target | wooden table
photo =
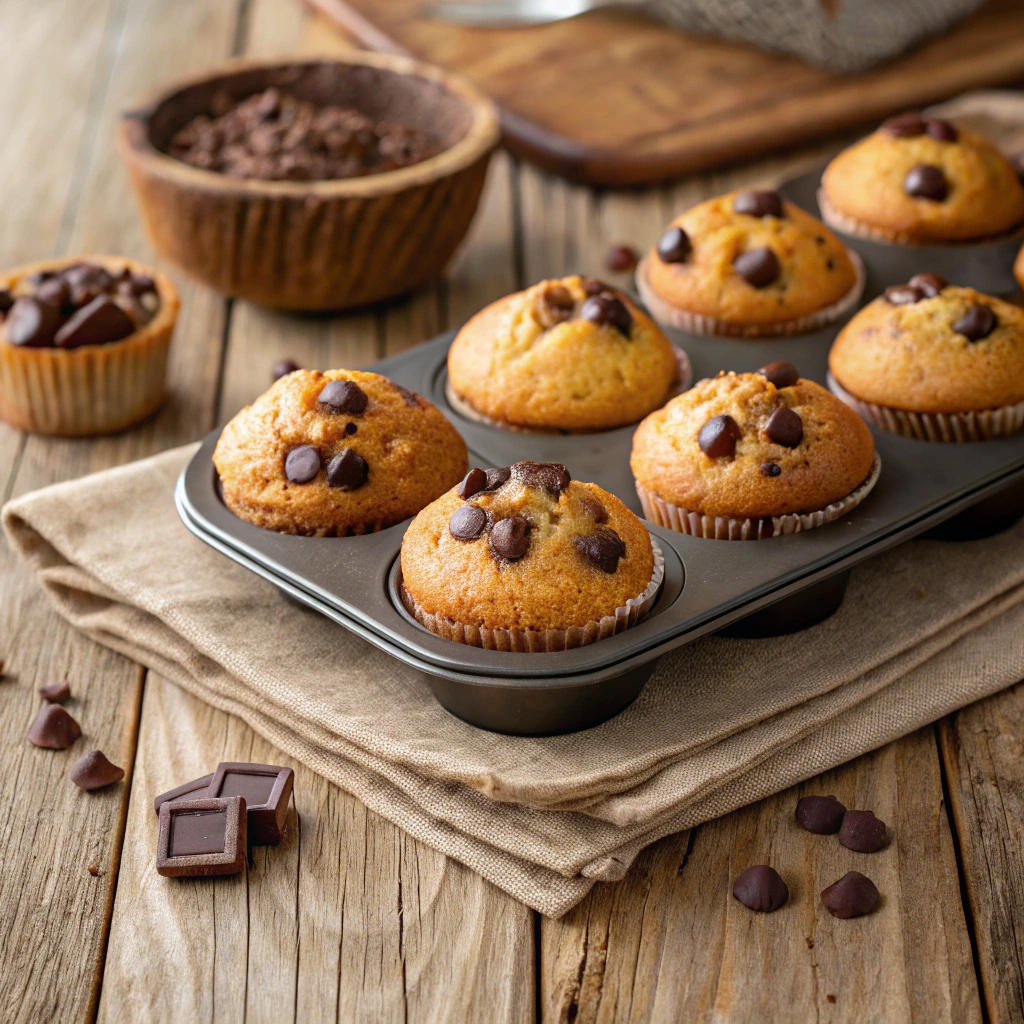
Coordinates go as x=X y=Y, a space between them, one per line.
x=350 y=919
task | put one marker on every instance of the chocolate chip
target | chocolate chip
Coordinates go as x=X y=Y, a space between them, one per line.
x=53 y=728
x=87 y=282
x=31 y=323
x=771 y=469
x=761 y=888
x=553 y=305
x=467 y=522
x=94 y=771
x=410 y=398
x=6 y=300
x=620 y=259
x=496 y=477
x=674 y=246
x=758 y=267
x=717 y=438
x=929 y=284
x=854 y=895
x=758 y=203
x=862 y=831
x=941 y=130
x=350 y=429
x=141 y=284
x=343 y=396
x=977 y=323
x=593 y=286
x=593 y=508
x=472 y=483
x=821 y=815
x=603 y=549
x=283 y=367
x=347 y=471
x=925 y=181
x=903 y=294
x=905 y=126
x=607 y=309
x=551 y=477
x=510 y=538
x=56 y=693
x=55 y=291
x=782 y=373
x=784 y=427
x=302 y=464
x=100 y=322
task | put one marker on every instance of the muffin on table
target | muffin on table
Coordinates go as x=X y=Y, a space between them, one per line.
x=922 y=180
x=743 y=456
x=933 y=361
x=83 y=344
x=336 y=454
x=748 y=264
x=571 y=354
x=523 y=558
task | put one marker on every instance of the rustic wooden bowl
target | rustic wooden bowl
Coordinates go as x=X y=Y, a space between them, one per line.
x=322 y=244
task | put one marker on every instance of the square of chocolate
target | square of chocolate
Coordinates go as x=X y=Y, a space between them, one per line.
x=184 y=791
x=266 y=789
x=202 y=837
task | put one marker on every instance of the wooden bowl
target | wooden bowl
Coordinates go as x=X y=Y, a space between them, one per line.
x=316 y=245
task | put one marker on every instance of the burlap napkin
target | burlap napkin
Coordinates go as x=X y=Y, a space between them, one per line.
x=924 y=629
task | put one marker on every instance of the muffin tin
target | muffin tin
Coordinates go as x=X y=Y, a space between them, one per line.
x=750 y=588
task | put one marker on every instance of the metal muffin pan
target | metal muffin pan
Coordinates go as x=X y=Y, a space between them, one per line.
x=741 y=588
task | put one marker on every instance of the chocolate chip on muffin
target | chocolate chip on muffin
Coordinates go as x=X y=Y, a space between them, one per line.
x=467 y=523
x=758 y=267
x=674 y=245
x=925 y=181
x=602 y=548
x=758 y=203
x=782 y=373
x=551 y=477
x=977 y=323
x=718 y=437
x=347 y=470
x=929 y=284
x=784 y=427
x=606 y=308
x=509 y=538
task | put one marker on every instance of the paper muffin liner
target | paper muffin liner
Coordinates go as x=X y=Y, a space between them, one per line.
x=95 y=389
x=696 y=524
x=682 y=381
x=672 y=316
x=982 y=425
x=539 y=641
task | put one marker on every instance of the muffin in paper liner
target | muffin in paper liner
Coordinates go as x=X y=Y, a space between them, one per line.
x=950 y=427
x=672 y=316
x=95 y=389
x=696 y=524
x=537 y=641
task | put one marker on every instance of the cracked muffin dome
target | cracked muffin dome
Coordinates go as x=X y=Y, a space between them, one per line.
x=566 y=354
x=516 y=553
x=921 y=179
x=336 y=453
x=748 y=264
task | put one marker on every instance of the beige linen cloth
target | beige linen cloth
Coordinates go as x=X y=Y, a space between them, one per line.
x=924 y=629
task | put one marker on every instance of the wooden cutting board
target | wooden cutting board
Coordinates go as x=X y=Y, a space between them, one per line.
x=612 y=98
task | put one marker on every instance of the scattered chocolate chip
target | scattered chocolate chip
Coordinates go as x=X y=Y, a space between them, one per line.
x=926 y=181
x=347 y=471
x=350 y=429
x=100 y=322
x=784 y=427
x=302 y=464
x=593 y=508
x=56 y=693
x=929 y=284
x=758 y=203
x=55 y=291
x=410 y=398
x=717 y=438
x=283 y=367
x=343 y=396
x=6 y=301
x=140 y=284
x=782 y=373
x=93 y=870
x=553 y=305
x=510 y=538
x=31 y=323
x=551 y=477
x=821 y=815
x=621 y=259
x=761 y=888
x=674 y=246
x=771 y=469
x=86 y=282
x=903 y=294
x=94 y=771
x=905 y=126
x=862 y=831
x=53 y=728
x=607 y=309
x=472 y=483
x=594 y=286
x=941 y=130
x=854 y=895
x=602 y=549
x=758 y=267
x=977 y=323
x=467 y=522
x=496 y=477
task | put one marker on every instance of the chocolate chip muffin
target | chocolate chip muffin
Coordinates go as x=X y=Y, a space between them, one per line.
x=752 y=455
x=922 y=180
x=83 y=344
x=934 y=361
x=337 y=453
x=525 y=559
x=571 y=354
x=750 y=265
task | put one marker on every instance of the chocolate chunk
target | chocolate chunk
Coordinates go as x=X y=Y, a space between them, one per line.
x=784 y=427
x=31 y=323
x=56 y=693
x=94 y=771
x=821 y=815
x=186 y=789
x=594 y=286
x=621 y=259
x=553 y=305
x=496 y=477
x=551 y=477
x=674 y=246
x=758 y=203
x=905 y=126
x=603 y=549
x=903 y=294
x=202 y=837
x=941 y=130
x=55 y=291
x=140 y=284
x=929 y=284
x=6 y=301
x=100 y=322
x=717 y=438
x=302 y=464
x=53 y=728
x=609 y=310
x=342 y=396
x=926 y=181
x=977 y=323
x=863 y=832
x=761 y=888
x=266 y=789
x=87 y=282
x=467 y=523
x=472 y=483
x=347 y=471
x=782 y=373
x=771 y=469
x=510 y=538
x=283 y=367
x=854 y=895
x=758 y=267
x=593 y=508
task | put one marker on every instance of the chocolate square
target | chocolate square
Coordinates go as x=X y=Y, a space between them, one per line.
x=182 y=792
x=201 y=837
x=266 y=789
